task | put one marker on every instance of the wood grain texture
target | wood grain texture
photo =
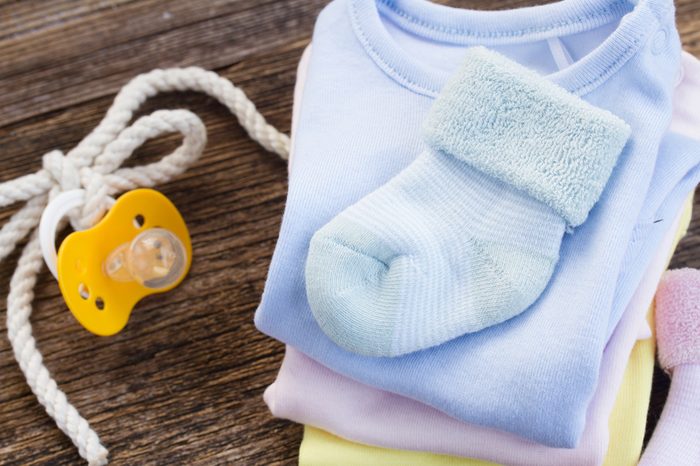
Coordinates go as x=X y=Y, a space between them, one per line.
x=184 y=383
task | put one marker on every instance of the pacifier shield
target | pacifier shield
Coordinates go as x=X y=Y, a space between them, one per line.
x=145 y=231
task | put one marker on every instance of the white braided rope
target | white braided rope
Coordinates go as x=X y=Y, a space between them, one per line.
x=94 y=165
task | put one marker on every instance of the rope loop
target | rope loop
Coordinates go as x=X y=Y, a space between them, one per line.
x=95 y=166
x=63 y=172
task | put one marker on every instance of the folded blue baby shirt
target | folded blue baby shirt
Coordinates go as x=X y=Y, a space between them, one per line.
x=374 y=70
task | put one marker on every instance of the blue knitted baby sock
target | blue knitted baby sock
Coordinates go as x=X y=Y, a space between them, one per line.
x=468 y=235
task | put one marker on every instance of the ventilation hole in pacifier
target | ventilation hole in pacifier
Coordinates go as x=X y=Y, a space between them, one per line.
x=139 y=221
x=99 y=303
x=83 y=291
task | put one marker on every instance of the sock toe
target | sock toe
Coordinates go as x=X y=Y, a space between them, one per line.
x=373 y=300
x=344 y=287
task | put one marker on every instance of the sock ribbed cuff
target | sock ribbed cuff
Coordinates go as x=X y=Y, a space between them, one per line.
x=514 y=125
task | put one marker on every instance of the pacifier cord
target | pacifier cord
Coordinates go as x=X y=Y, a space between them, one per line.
x=94 y=166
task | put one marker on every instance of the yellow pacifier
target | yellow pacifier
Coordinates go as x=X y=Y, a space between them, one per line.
x=139 y=248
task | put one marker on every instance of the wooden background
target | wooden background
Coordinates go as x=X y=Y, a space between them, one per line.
x=183 y=383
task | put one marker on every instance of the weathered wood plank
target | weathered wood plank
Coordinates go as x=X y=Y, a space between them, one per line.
x=183 y=385
x=23 y=17
x=92 y=57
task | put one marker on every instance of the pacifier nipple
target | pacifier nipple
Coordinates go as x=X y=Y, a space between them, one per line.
x=155 y=258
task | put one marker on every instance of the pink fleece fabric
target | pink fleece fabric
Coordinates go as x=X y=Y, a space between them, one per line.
x=678 y=319
x=676 y=440
x=309 y=393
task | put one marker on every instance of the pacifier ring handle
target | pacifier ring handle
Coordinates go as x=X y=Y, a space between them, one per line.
x=54 y=212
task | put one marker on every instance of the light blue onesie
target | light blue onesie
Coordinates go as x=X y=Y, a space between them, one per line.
x=375 y=67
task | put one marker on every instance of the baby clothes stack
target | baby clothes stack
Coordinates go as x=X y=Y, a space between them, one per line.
x=579 y=88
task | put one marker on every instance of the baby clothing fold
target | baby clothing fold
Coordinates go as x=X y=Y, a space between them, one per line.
x=627 y=428
x=309 y=393
x=364 y=103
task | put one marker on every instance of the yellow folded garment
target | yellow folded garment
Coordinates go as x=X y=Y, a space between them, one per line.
x=319 y=448
x=629 y=416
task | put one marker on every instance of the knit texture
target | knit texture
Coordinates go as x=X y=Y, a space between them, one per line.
x=627 y=425
x=360 y=124
x=510 y=123
x=678 y=324
x=439 y=251
x=308 y=393
x=446 y=247
x=675 y=439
